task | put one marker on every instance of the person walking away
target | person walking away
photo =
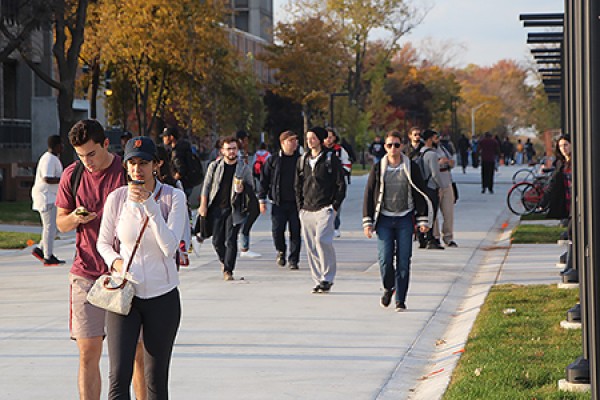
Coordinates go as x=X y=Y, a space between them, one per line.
x=320 y=190
x=227 y=181
x=164 y=175
x=463 y=149
x=430 y=170
x=277 y=184
x=253 y=206
x=508 y=149
x=475 y=152
x=43 y=193
x=394 y=195
x=376 y=149
x=488 y=150
x=125 y=136
x=331 y=143
x=529 y=151
x=260 y=157
x=519 y=154
x=446 y=195
x=154 y=216
x=181 y=156
x=82 y=192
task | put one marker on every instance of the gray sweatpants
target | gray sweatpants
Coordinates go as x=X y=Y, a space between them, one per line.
x=48 y=229
x=317 y=232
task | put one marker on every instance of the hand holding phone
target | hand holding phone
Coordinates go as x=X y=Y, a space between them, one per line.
x=82 y=211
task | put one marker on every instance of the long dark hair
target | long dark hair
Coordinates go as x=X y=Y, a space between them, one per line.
x=559 y=155
x=164 y=171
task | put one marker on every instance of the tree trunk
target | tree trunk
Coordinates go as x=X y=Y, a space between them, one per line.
x=66 y=118
x=94 y=89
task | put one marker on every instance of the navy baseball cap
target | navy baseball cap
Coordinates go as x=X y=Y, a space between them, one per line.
x=140 y=146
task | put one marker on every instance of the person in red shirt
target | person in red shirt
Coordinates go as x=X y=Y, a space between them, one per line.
x=80 y=207
x=488 y=150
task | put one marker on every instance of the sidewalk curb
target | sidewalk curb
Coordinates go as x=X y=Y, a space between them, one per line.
x=449 y=330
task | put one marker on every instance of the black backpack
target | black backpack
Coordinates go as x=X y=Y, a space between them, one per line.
x=420 y=160
x=195 y=172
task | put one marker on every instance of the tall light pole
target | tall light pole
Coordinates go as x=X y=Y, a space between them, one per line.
x=473 y=117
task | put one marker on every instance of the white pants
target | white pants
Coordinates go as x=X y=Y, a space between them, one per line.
x=48 y=229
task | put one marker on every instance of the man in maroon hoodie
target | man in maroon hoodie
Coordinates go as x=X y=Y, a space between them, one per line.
x=488 y=149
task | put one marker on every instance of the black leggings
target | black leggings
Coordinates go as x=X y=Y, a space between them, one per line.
x=159 y=317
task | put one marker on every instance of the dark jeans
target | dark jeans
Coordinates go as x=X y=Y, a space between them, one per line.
x=282 y=215
x=158 y=318
x=487 y=175
x=337 y=222
x=225 y=236
x=394 y=240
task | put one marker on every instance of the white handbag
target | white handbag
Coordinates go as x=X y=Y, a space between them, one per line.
x=115 y=293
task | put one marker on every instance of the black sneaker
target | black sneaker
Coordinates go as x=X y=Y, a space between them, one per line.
x=38 y=253
x=326 y=286
x=400 y=306
x=452 y=244
x=317 y=289
x=281 y=258
x=386 y=298
x=433 y=245
x=52 y=261
x=293 y=265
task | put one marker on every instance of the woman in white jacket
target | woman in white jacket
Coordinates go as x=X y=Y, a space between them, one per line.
x=156 y=308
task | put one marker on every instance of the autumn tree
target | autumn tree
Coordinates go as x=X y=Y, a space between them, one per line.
x=309 y=59
x=143 y=41
x=503 y=87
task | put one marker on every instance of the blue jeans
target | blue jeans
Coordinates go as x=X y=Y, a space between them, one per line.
x=394 y=238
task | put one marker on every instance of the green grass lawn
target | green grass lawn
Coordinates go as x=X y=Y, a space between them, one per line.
x=17 y=240
x=534 y=217
x=520 y=355
x=19 y=213
x=536 y=234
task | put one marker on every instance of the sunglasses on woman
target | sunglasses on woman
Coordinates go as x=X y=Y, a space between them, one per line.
x=390 y=145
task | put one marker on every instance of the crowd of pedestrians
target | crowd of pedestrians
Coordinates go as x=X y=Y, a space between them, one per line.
x=141 y=197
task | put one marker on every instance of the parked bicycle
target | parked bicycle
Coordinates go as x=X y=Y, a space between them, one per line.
x=524 y=198
x=529 y=174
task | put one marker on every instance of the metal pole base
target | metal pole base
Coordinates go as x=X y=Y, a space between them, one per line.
x=563 y=257
x=578 y=371
x=570 y=276
x=574 y=313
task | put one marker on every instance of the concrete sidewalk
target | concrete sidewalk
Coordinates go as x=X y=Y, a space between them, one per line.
x=267 y=337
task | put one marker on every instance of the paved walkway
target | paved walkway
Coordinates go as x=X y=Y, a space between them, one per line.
x=266 y=337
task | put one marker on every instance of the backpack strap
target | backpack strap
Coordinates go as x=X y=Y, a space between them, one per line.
x=76 y=179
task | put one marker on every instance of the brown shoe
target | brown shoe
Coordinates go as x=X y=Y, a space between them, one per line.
x=227 y=276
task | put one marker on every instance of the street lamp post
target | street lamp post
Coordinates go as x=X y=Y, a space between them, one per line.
x=473 y=117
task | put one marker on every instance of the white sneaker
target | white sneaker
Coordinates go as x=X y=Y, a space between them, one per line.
x=337 y=233
x=196 y=245
x=249 y=254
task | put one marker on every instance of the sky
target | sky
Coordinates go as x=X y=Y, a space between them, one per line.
x=488 y=30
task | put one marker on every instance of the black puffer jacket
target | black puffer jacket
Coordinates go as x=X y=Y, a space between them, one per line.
x=322 y=185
